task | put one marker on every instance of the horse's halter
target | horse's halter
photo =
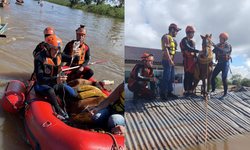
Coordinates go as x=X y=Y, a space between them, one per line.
x=206 y=47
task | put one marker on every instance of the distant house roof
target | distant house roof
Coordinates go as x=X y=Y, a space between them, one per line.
x=133 y=55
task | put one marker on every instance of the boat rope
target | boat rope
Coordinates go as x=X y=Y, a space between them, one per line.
x=116 y=145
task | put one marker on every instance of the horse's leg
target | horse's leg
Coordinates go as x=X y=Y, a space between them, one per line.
x=204 y=87
x=209 y=77
x=195 y=84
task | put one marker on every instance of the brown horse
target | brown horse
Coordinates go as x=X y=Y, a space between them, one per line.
x=80 y=106
x=205 y=65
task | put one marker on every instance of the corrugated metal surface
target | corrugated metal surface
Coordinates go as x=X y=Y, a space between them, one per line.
x=165 y=125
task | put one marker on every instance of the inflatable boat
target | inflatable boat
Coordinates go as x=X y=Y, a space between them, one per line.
x=45 y=130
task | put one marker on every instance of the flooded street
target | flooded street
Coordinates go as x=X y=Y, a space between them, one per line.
x=105 y=37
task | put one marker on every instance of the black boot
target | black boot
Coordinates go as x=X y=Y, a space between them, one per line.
x=163 y=97
x=135 y=98
x=172 y=95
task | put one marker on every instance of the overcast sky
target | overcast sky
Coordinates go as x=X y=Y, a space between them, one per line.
x=147 y=20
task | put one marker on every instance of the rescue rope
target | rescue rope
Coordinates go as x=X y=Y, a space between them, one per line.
x=116 y=145
x=206 y=126
x=206 y=107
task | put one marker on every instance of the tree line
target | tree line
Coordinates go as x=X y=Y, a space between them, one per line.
x=236 y=80
x=95 y=6
x=118 y=3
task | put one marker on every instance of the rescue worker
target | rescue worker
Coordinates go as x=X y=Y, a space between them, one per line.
x=40 y=47
x=111 y=115
x=139 y=77
x=188 y=50
x=48 y=81
x=169 y=46
x=223 y=53
x=83 y=71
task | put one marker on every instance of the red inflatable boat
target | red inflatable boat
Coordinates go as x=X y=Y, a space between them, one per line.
x=46 y=131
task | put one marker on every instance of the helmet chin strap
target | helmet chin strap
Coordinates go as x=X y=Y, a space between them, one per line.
x=145 y=63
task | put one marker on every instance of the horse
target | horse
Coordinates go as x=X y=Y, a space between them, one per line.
x=204 y=65
x=82 y=105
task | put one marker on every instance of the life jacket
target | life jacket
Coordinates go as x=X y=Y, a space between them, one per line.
x=185 y=52
x=49 y=67
x=172 y=45
x=83 y=48
x=119 y=104
x=40 y=47
x=224 y=56
x=146 y=72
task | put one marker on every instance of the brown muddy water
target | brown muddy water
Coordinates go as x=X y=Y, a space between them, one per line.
x=105 y=37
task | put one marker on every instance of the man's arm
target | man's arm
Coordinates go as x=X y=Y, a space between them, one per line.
x=188 y=47
x=115 y=95
x=138 y=75
x=226 y=49
x=166 y=45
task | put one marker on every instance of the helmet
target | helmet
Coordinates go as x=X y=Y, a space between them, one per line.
x=49 y=30
x=190 y=29
x=53 y=41
x=147 y=56
x=224 y=36
x=81 y=30
x=173 y=25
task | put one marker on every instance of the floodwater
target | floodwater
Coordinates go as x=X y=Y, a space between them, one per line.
x=105 y=37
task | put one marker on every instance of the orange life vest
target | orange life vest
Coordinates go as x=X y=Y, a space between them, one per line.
x=146 y=72
x=185 y=52
x=222 y=56
x=83 y=48
x=49 y=67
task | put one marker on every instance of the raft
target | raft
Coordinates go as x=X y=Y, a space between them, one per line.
x=3 y=27
x=45 y=130
x=19 y=3
x=4 y=4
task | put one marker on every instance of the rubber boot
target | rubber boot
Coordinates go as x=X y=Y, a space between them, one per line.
x=135 y=98
x=62 y=113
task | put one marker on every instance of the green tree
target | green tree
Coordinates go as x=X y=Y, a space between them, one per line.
x=236 y=79
x=229 y=83
x=118 y=3
x=218 y=82
x=99 y=2
x=87 y=2
x=245 y=82
x=73 y=2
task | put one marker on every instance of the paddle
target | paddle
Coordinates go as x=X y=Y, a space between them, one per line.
x=66 y=68
x=1 y=35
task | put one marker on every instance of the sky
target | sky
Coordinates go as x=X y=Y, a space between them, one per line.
x=146 y=21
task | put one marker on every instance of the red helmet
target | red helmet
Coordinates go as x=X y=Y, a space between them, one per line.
x=49 y=30
x=224 y=36
x=190 y=29
x=81 y=30
x=173 y=25
x=53 y=41
x=147 y=56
